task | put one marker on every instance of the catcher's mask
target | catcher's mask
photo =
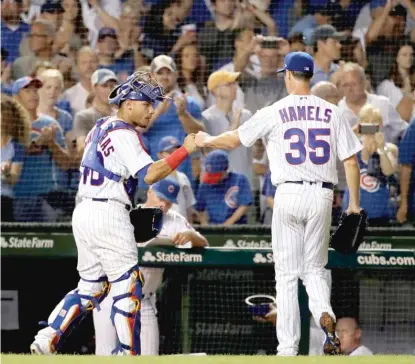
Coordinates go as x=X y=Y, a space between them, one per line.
x=140 y=86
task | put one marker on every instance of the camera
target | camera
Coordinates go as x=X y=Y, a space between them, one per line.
x=368 y=128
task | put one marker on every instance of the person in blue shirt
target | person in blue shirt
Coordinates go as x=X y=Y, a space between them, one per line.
x=15 y=124
x=47 y=150
x=5 y=73
x=268 y=191
x=406 y=157
x=223 y=196
x=107 y=45
x=177 y=117
x=13 y=29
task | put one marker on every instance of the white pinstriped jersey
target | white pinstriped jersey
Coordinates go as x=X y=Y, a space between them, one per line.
x=173 y=223
x=304 y=135
x=122 y=153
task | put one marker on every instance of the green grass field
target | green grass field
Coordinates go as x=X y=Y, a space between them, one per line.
x=217 y=359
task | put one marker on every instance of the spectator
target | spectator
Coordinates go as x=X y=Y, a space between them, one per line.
x=41 y=35
x=192 y=74
x=326 y=41
x=87 y=63
x=67 y=181
x=383 y=38
x=296 y=41
x=5 y=73
x=327 y=91
x=320 y=16
x=102 y=81
x=47 y=150
x=97 y=14
x=106 y=49
x=52 y=11
x=176 y=117
x=400 y=86
x=344 y=14
x=217 y=38
x=220 y=117
x=407 y=175
x=355 y=97
x=349 y=333
x=352 y=51
x=13 y=29
x=223 y=197
x=15 y=125
x=40 y=67
x=378 y=162
x=162 y=34
x=269 y=87
x=185 y=198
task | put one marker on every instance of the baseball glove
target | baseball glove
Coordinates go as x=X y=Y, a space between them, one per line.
x=147 y=222
x=348 y=236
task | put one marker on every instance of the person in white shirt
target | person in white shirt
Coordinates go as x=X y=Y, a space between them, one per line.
x=186 y=197
x=86 y=63
x=162 y=194
x=221 y=117
x=350 y=333
x=355 y=97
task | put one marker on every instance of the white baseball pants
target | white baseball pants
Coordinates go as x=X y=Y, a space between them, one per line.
x=300 y=234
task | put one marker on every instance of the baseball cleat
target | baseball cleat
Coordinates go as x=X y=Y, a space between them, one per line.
x=332 y=343
x=43 y=345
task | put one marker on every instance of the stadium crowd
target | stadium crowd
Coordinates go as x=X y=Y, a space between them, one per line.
x=217 y=60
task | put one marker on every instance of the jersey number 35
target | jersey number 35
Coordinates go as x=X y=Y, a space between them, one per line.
x=315 y=144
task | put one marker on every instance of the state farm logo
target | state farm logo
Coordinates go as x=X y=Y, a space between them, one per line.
x=172 y=257
x=260 y=258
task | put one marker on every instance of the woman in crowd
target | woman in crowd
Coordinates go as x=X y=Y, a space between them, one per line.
x=378 y=164
x=15 y=126
x=192 y=73
x=400 y=86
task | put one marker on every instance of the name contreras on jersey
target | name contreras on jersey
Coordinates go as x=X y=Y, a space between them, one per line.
x=305 y=113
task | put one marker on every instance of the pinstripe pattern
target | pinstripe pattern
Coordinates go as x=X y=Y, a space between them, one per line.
x=303 y=135
x=105 y=335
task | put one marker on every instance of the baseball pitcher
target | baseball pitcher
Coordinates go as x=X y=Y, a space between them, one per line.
x=113 y=162
x=162 y=194
x=303 y=137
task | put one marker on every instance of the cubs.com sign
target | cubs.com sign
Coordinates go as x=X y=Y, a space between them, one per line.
x=171 y=257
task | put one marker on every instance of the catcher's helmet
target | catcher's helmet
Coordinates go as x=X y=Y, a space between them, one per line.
x=140 y=86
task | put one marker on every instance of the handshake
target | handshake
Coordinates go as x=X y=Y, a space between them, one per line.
x=194 y=141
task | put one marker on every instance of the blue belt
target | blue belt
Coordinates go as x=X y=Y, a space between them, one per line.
x=127 y=207
x=327 y=185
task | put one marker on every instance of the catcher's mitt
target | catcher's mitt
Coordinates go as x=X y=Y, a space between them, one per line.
x=147 y=222
x=348 y=236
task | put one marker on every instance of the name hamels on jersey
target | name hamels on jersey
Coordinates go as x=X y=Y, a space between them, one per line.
x=120 y=152
x=303 y=135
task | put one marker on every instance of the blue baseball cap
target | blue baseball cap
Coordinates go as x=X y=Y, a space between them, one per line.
x=52 y=6
x=99 y=77
x=107 y=32
x=216 y=163
x=167 y=143
x=166 y=189
x=298 y=62
x=25 y=82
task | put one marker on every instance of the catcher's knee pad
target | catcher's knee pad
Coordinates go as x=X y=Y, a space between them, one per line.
x=125 y=312
x=75 y=304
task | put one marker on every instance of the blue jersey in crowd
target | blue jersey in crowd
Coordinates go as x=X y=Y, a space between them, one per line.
x=407 y=156
x=268 y=189
x=169 y=124
x=39 y=170
x=11 y=38
x=13 y=152
x=222 y=200
x=374 y=195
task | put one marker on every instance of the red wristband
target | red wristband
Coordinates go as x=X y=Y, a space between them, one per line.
x=177 y=157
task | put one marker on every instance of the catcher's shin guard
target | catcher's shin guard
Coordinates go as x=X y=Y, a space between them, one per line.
x=125 y=312
x=68 y=313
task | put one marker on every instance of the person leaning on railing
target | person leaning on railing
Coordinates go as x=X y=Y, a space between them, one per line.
x=378 y=164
